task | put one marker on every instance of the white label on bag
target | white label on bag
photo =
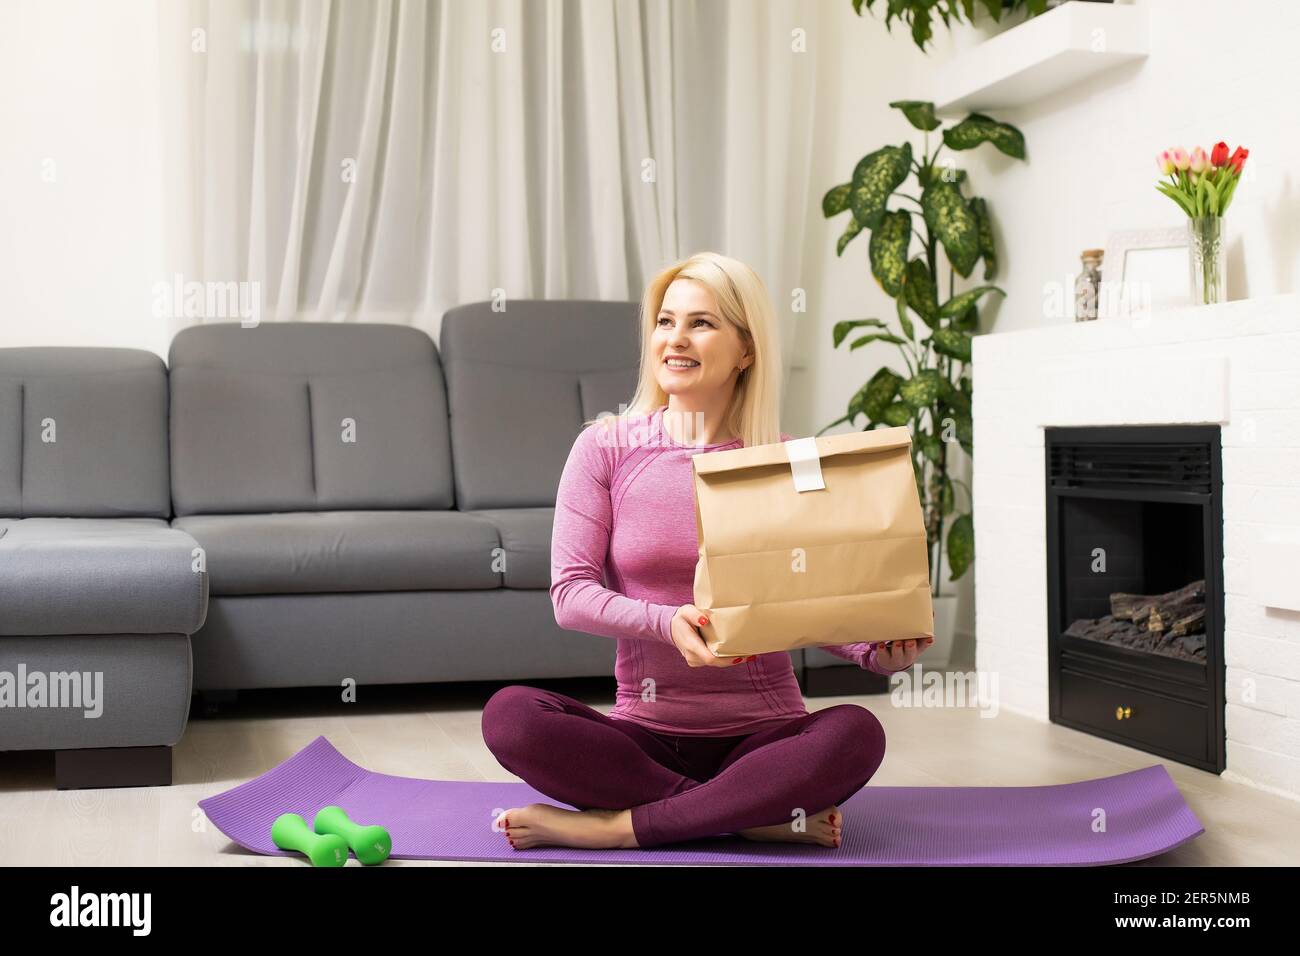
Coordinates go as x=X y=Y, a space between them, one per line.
x=805 y=464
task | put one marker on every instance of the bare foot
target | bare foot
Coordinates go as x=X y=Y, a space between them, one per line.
x=822 y=828
x=541 y=824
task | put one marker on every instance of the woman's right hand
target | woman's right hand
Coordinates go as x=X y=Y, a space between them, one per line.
x=686 y=635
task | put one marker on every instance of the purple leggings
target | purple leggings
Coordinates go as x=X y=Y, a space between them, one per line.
x=682 y=787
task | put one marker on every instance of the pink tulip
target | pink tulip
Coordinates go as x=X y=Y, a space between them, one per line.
x=1200 y=161
x=1180 y=157
x=1165 y=162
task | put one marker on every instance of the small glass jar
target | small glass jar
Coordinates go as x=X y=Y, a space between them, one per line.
x=1087 y=286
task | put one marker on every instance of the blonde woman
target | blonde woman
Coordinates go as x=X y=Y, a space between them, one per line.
x=696 y=745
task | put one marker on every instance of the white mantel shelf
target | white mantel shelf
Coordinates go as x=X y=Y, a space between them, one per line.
x=1236 y=365
x=1266 y=315
x=1060 y=48
x=1273 y=313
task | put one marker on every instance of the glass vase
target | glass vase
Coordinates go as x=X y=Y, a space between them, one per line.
x=1206 y=259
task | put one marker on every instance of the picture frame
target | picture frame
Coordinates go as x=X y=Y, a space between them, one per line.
x=1144 y=270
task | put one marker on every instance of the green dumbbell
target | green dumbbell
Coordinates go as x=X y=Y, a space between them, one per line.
x=371 y=844
x=290 y=832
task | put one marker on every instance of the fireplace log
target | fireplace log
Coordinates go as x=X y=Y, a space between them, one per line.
x=1193 y=622
x=1156 y=612
x=1165 y=616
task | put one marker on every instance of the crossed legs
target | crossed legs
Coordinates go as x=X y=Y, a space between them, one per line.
x=579 y=756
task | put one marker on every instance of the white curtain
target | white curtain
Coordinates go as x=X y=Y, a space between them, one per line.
x=387 y=160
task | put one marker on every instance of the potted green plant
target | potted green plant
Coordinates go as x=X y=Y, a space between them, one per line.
x=933 y=397
x=917 y=14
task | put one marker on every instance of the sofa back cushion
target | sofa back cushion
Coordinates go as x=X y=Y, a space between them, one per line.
x=520 y=383
x=307 y=416
x=83 y=433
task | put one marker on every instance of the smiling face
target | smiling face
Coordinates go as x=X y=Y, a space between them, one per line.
x=690 y=326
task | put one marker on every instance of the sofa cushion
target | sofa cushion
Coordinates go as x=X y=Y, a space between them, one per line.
x=83 y=433
x=307 y=416
x=520 y=383
x=525 y=535
x=98 y=576
x=340 y=551
x=240 y=441
x=376 y=441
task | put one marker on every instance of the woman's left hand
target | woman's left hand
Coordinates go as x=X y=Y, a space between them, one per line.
x=897 y=655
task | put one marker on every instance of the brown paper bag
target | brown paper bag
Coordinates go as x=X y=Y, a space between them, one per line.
x=840 y=561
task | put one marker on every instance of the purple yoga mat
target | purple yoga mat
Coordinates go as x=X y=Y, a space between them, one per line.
x=1145 y=815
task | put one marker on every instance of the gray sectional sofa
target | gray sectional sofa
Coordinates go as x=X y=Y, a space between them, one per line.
x=296 y=504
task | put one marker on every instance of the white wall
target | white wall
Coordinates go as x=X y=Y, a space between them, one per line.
x=1214 y=72
x=1210 y=75
x=79 y=94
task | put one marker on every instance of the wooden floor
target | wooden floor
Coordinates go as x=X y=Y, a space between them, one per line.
x=433 y=731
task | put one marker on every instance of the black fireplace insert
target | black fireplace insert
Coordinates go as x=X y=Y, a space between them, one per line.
x=1135 y=587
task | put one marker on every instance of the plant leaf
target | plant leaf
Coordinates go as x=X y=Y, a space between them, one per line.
x=964 y=300
x=842 y=329
x=968 y=321
x=949 y=218
x=954 y=424
x=984 y=232
x=836 y=200
x=930 y=447
x=921 y=31
x=875 y=178
x=903 y=320
x=889 y=242
x=1228 y=190
x=952 y=343
x=919 y=291
x=920 y=113
x=924 y=388
x=963 y=423
x=873 y=398
x=881 y=336
x=1177 y=196
x=958 y=401
x=945 y=496
x=961 y=546
x=854 y=227
x=978 y=128
x=1213 y=206
x=897 y=413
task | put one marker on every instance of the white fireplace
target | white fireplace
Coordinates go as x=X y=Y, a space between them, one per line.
x=1235 y=365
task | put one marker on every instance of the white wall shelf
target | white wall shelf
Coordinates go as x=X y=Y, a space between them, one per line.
x=1061 y=48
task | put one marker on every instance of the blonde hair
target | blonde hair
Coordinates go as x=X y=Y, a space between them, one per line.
x=743 y=301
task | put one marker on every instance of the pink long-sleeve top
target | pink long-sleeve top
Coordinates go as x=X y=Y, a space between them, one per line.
x=623 y=555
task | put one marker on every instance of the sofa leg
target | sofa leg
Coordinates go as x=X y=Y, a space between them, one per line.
x=213 y=700
x=842 y=681
x=113 y=767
